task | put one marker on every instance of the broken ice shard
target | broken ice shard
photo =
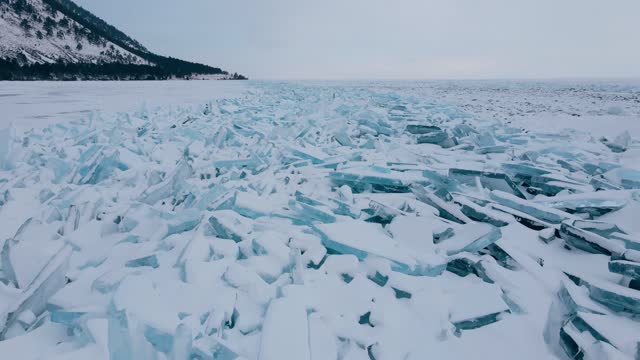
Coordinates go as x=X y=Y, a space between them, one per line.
x=5 y=147
x=183 y=221
x=315 y=156
x=627 y=178
x=380 y=213
x=602 y=184
x=495 y=149
x=624 y=267
x=547 y=235
x=249 y=205
x=463 y=266
x=471 y=238
x=599 y=227
x=370 y=179
x=589 y=241
x=576 y=299
x=477 y=305
x=620 y=143
x=589 y=334
x=342 y=137
x=553 y=184
x=252 y=163
x=613 y=296
x=35 y=296
x=15 y=267
x=629 y=241
x=100 y=169
x=536 y=210
x=422 y=129
x=171 y=186
x=486 y=144
x=228 y=224
x=285 y=333
x=594 y=207
x=442 y=201
x=182 y=343
x=209 y=348
x=599 y=168
x=206 y=199
x=484 y=139
x=489 y=180
x=439 y=180
x=481 y=213
x=574 y=343
x=60 y=169
x=311 y=213
x=618 y=332
x=433 y=138
x=462 y=130
x=151 y=261
x=323 y=343
x=442 y=233
x=124 y=341
x=363 y=239
x=341 y=237
x=372 y=124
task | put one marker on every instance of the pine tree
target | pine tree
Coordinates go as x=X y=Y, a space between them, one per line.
x=19 y=6
x=25 y=24
x=49 y=24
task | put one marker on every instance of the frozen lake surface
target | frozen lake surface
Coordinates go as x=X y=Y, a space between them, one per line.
x=39 y=103
x=320 y=220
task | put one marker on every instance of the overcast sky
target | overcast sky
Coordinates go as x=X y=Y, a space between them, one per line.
x=418 y=39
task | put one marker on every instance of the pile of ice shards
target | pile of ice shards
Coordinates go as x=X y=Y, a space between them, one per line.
x=316 y=222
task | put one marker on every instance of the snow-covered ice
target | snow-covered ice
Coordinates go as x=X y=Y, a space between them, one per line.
x=27 y=104
x=309 y=220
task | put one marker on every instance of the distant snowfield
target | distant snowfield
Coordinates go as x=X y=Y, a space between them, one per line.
x=598 y=108
x=601 y=108
x=40 y=103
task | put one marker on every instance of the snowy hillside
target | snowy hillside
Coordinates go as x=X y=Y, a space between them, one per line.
x=32 y=32
x=59 y=40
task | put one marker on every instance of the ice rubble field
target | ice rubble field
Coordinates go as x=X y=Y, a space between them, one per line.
x=307 y=221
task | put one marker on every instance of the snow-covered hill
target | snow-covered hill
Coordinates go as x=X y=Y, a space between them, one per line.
x=59 y=40
x=34 y=32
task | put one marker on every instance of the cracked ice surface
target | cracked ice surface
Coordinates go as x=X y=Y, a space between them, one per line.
x=309 y=221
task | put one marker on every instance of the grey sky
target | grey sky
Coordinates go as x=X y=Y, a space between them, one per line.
x=390 y=38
